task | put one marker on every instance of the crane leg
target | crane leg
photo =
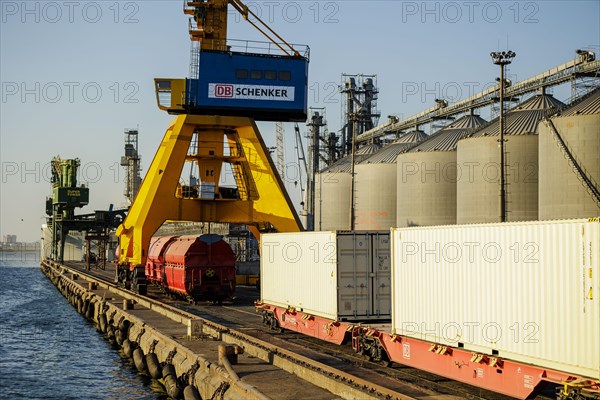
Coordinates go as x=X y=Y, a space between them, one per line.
x=262 y=197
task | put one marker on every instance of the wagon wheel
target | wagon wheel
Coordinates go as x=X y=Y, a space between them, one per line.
x=363 y=351
x=385 y=363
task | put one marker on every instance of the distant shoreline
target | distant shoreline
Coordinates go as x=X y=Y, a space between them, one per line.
x=19 y=247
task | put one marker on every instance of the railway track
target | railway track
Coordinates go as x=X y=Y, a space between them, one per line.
x=337 y=381
x=240 y=316
x=238 y=323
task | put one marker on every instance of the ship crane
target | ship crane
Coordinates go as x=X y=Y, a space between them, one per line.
x=234 y=83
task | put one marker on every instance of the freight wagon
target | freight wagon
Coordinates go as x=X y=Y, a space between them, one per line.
x=505 y=307
x=191 y=267
x=327 y=276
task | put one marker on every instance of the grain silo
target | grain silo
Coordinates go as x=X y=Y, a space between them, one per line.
x=332 y=191
x=478 y=162
x=375 y=183
x=427 y=175
x=569 y=152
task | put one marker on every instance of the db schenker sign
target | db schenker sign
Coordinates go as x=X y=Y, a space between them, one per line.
x=250 y=92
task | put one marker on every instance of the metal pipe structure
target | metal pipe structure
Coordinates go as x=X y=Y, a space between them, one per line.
x=348 y=135
x=314 y=157
x=502 y=58
x=353 y=184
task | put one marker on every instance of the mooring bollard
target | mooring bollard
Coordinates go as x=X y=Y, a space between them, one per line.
x=127 y=304
x=228 y=356
x=230 y=353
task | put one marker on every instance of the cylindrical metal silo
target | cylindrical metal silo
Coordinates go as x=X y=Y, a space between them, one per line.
x=478 y=163
x=375 y=183
x=333 y=190
x=426 y=177
x=563 y=194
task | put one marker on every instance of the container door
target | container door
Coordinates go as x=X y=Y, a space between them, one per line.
x=354 y=270
x=381 y=275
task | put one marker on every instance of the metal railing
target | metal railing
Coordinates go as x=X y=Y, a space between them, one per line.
x=229 y=149
x=254 y=47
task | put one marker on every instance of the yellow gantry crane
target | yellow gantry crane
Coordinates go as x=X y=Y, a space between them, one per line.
x=233 y=83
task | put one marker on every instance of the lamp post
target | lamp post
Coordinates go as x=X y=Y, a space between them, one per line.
x=353 y=176
x=502 y=58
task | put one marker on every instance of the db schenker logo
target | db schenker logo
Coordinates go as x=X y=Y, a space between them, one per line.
x=223 y=90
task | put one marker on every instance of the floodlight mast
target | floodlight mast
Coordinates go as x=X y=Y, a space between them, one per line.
x=502 y=58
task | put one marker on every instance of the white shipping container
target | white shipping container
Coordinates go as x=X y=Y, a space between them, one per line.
x=526 y=291
x=340 y=276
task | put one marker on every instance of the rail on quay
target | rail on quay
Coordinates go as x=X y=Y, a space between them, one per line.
x=189 y=353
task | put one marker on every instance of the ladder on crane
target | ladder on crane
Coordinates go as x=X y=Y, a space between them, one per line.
x=280 y=149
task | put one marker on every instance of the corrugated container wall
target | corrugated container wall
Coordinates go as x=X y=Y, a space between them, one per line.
x=375 y=183
x=478 y=159
x=333 y=187
x=342 y=276
x=524 y=291
x=427 y=174
x=562 y=193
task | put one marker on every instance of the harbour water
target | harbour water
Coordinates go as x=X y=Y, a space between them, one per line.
x=49 y=351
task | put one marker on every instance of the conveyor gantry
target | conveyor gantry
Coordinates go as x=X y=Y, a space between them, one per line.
x=585 y=64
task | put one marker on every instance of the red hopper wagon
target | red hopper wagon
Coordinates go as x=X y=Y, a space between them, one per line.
x=195 y=268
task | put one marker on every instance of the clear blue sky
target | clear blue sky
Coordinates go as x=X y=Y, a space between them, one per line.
x=75 y=74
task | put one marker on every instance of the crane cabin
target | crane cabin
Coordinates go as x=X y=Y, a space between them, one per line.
x=266 y=81
x=264 y=87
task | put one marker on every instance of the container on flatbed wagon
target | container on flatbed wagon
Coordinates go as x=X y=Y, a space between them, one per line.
x=342 y=276
x=527 y=291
